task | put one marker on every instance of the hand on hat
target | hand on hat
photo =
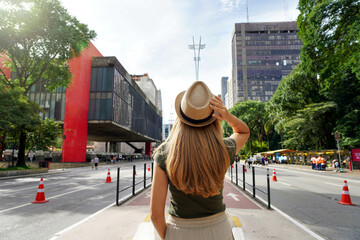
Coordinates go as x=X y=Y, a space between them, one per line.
x=221 y=113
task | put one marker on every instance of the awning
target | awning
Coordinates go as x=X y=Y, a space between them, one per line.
x=277 y=151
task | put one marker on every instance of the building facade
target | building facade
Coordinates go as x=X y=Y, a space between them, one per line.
x=102 y=104
x=262 y=54
x=148 y=86
x=224 y=81
x=230 y=100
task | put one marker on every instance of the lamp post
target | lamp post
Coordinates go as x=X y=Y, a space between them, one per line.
x=62 y=151
x=338 y=138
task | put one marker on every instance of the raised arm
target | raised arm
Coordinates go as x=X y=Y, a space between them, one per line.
x=241 y=130
x=158 y=197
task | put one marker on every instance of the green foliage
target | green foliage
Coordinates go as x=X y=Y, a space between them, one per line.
x=254 y=147
x=45 y=135
x=16 y=168
x=37 y=39
x=254 y=115
x=311 y=127
x=16 y=111
x=330 y=31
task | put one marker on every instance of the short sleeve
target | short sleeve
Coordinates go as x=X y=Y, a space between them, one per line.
x=231 y=148
x=160 y=157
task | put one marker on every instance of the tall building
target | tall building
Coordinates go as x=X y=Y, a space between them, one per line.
x=224 y=81
x=148 y=86
x=230 y=95
x=262 y=54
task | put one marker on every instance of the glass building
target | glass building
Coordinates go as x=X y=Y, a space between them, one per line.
x=262 y=54
x=118 y=104
x=52 y=103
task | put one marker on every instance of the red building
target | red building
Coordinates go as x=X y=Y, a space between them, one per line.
x=102 y=104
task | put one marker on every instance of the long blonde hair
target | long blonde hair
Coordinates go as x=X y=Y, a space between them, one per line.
x=197 y=158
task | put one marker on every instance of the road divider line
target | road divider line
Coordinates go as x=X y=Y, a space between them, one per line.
x=285 y=184
x=32 y=188
x=333 y=184
x=300 y=225
x=80 y=222
x=312 y=173
x=24 y=205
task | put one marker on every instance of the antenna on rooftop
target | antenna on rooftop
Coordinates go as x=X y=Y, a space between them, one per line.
x=247 y=10
x=197 y=58
x=171 y=115
x=286 y=10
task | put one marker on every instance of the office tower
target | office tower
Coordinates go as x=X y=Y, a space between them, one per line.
x=224 y=81
x=262 y=54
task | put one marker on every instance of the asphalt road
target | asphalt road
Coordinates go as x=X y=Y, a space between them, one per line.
x=73 y=195
x=311 y=197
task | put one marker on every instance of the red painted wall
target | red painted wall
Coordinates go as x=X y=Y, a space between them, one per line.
x=77 y=106
x=5 y=70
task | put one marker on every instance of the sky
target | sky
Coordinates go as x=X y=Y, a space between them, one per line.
x=152 y=36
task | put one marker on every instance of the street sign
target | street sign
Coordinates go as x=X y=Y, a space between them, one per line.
x=337 y=136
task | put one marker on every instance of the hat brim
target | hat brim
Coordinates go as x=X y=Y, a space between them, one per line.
x=177 y=109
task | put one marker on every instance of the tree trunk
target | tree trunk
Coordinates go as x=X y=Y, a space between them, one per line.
x=21 y=153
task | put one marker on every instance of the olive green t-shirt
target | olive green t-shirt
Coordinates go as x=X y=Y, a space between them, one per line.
x=193 y=206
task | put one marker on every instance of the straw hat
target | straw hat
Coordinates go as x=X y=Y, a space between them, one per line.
x=192 y=105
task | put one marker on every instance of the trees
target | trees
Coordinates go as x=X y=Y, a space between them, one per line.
x=15 y=112
x=330 y=31
x=38 y=37
x=254 y=115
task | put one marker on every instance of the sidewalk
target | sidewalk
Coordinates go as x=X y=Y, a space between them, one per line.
x=132 y=221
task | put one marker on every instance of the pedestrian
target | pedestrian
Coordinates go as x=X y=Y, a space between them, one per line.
x=322 y=163
x=92 y=163
x=313 y=163
x=192 y=162
x=96 y=162
x=114 y=160
x=344 y=162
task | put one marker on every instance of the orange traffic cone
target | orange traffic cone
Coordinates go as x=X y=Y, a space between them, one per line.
x=274 y=176
x=108 y=178
x=40 y=195
x=149 y=168
x=345 y=197
x=245 y=170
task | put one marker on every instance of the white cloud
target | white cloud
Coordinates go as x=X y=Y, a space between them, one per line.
x=230 y=5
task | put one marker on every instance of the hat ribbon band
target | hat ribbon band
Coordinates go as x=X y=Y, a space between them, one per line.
x=195 y=121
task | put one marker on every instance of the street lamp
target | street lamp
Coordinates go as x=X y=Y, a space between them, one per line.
x=338 y=138
x=62 y=151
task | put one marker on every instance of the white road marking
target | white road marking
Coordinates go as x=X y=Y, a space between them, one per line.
x=238 y=233
x=285 y=184
x=318 y=175
x=20 y=206
x=314 y=235
x=234 y=196
x=78 y=223
x=333 y=184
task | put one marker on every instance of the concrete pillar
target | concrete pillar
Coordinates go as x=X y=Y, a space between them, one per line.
x=112 y=146
x=148 y=149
